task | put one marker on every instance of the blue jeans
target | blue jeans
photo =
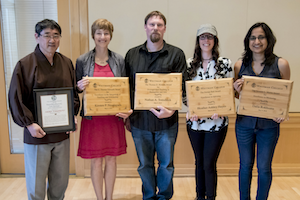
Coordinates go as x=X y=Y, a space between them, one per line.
x=146 y=144
x=265 y=140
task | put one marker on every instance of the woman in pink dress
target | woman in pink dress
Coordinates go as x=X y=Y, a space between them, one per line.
x=101 y=137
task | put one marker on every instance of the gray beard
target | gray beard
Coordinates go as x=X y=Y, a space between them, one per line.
x=154 y=37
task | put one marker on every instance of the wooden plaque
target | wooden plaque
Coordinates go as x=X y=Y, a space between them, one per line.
x=153 y=89
x=265 y=97
x=207 y=97
x=106 y=96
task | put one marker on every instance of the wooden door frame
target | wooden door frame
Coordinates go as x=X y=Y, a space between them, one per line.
x=18 y=159
x=73 y=19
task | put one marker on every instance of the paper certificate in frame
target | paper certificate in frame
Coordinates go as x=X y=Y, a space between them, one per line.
x=155 y=89
x=206 y=97
x=55 y=109
x=106 y=96
x=265 y=97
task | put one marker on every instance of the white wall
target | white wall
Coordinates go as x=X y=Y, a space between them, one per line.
x=232 y=18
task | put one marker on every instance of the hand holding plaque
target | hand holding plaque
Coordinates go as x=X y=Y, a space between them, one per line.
x=162 y=112
x=124 y=115
x=83 y=83
x=35 y=130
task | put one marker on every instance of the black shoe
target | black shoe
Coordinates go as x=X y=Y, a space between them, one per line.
x=211 y=198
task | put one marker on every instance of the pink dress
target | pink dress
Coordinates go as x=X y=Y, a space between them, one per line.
x=103 y=135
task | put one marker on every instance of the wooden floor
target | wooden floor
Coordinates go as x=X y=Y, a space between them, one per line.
x=283 y=188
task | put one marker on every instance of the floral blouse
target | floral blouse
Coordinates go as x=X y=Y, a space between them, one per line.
x=226 y=71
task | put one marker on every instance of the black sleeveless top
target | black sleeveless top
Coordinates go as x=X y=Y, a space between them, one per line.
x=268 y=72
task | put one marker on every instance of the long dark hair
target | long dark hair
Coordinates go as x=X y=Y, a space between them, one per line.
x=197 y=59
x=271 y=39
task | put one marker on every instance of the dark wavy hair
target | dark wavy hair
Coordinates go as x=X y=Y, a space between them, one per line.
x=271 y=39
x=197 y=59
x=47 y=23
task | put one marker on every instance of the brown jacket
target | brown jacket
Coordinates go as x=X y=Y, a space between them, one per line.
x=35 y=72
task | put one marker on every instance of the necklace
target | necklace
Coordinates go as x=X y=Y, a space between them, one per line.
x=208 y=59
x=101 y=62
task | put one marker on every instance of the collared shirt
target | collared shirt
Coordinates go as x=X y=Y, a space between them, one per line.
x=140 y=60
x=226 y=70
x=206 y=123
x=35 y=72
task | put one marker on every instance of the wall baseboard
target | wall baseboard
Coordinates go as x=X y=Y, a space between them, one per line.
x=188 y=170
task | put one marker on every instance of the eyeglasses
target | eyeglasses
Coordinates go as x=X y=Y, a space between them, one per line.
x=49 y=37
x=209 y=37
x=260 y=38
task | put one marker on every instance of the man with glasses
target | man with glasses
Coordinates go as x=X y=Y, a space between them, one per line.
x=155 y=130
x=46 y=155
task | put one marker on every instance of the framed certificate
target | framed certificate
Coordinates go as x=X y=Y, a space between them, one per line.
x=265 y=97
x=154 y=89
x=207 y=97
x=55 y=109
x=106 y=96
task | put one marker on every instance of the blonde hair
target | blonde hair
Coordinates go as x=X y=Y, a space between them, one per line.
x=102 y=24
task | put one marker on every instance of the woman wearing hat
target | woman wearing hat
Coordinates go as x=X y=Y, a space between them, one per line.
x=207 y=134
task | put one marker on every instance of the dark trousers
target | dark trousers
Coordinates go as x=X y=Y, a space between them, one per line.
x=206 y=146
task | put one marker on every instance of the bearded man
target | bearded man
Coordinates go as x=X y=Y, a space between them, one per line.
x=154 y=130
